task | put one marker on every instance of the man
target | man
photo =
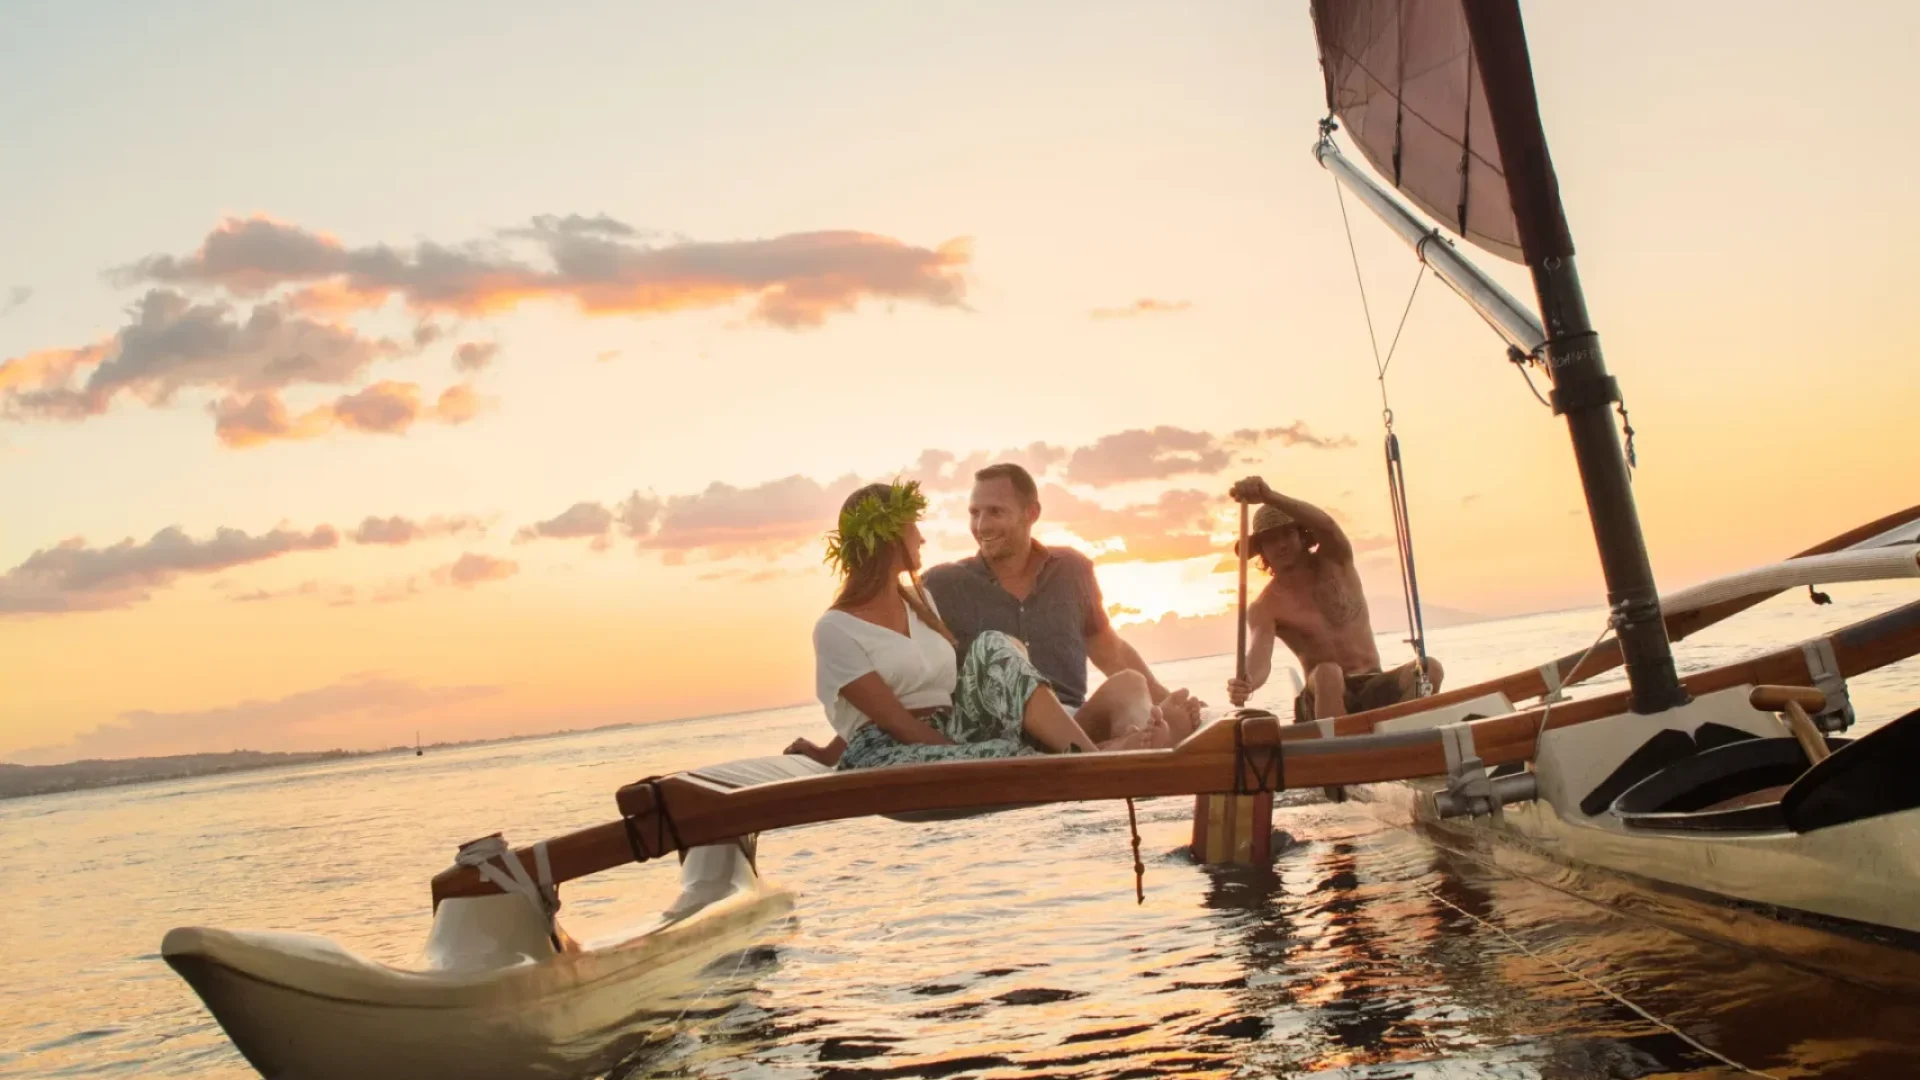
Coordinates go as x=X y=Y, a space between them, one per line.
x=1315 y=603
x=1048 y=599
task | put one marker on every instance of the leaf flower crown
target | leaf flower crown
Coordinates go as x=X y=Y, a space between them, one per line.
x=872 y=523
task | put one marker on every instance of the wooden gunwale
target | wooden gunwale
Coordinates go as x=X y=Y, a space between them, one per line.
x=1223 y=757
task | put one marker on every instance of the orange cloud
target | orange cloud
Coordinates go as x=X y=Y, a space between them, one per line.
x=940 y=470
x=457 y=404
x=769 y=520
x=396 y=530
x=48 y=368
x=1177 y=525
x=74 y=577
x=1165 y=451
x=765 y=520
x=475 y=355
x=599 y=265
x=1146 y=455
x=472 y=569
x=1294 y=434
x=385 y=408
x=173 y=343
x=635 y=517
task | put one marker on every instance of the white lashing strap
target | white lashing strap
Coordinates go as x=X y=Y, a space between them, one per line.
x=1467 y=779
x=1824 y=669
x=1326 y=727
x=1456 y=740
x=480 y=855
x=1550 y=674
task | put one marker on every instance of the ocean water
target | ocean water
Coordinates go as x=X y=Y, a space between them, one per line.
x=1008 y=946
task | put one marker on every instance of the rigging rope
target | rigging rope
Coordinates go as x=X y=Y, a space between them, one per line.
x=1396 y=467
x=1622 y=999
x=1549 y=701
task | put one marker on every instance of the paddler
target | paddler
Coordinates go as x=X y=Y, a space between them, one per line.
x=1316 y=604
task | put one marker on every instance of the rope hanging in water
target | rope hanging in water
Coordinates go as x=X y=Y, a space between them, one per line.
x=1139 y=868
x=1396 y=467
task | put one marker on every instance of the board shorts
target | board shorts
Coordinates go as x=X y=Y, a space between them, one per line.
x=984 y=721
x=1365 y=691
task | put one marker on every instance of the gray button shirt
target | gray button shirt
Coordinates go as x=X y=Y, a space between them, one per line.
x=1054 y=621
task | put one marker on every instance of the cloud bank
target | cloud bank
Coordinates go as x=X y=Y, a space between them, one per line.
x=597 y=264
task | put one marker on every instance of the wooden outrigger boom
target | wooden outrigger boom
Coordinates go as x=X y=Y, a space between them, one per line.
x=1570 y=670
x=1242 y=754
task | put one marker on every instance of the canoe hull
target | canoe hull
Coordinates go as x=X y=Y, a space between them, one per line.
x=1844 y=900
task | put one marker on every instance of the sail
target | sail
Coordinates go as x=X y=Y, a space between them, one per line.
x=1402 y=77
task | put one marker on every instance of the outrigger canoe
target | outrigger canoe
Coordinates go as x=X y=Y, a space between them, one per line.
x=1827 y=853
x=1731 y=784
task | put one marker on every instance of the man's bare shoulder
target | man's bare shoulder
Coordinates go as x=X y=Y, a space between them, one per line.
x=1267 y=602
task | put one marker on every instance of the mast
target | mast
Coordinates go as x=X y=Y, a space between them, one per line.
x=1582 y=389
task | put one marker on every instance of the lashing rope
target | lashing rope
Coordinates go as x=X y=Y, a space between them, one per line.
x=1396 y=467
x=663 y=828
x=1615 y=995
x=1261 y=777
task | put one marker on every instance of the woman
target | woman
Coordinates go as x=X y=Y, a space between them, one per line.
x=884 y=663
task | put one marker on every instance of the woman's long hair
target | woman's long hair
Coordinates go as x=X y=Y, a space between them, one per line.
x=868 y=573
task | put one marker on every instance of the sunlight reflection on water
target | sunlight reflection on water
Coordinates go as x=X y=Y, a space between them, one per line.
x=1005 y=946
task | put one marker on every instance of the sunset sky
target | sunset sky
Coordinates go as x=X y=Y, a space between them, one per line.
x=486 y=368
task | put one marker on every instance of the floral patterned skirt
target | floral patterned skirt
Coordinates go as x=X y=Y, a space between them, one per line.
x=989 y=702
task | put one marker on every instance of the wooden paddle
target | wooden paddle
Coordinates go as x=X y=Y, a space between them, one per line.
x=1235 y=828
x=1240 y=647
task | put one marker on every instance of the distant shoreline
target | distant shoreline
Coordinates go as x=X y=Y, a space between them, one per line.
x=28 y=781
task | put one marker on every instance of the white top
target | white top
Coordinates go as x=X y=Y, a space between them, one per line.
x=918 y=666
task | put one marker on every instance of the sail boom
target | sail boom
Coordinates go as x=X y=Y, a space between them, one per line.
x=1508 y=317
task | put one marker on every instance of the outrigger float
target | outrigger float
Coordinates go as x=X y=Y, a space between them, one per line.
x=1726 y=804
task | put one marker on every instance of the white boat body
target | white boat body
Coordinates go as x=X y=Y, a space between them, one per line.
x=1808 y=897
x=493 y=997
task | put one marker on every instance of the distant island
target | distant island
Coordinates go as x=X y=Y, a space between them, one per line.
x=1164 y=640
x=20 y=781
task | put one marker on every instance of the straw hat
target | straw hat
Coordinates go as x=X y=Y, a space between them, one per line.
x=1265 y=520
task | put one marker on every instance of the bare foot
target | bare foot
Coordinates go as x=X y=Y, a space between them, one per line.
x=1182 y=712
x=1195 y=712
x=1132 y=739
x=1160 y=736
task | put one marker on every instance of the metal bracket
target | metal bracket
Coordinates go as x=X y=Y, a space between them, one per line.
x=1824 y=669
x=1584 y=394
x=1469 y=789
